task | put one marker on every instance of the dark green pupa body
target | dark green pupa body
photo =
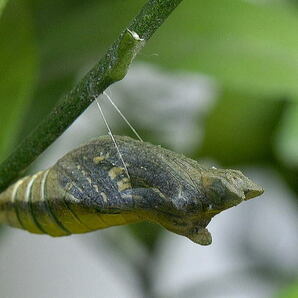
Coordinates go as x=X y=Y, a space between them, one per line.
x=89 y=189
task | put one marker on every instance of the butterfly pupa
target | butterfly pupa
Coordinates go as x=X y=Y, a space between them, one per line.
x=88 y=189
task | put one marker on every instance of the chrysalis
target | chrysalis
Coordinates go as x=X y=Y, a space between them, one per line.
x=88 y=189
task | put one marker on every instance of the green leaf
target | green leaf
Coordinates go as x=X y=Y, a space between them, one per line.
x=244 y=45
x=18 y=70
x=2 y=5
x=286 y=141
x=240 y=128
x=289 y=292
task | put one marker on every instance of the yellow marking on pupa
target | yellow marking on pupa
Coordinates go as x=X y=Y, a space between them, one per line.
x=207 y=181
x=98 y=159
x=115 y=171
x=96 y=187
x=104 y=196
x=123 y=184
x=68 y=186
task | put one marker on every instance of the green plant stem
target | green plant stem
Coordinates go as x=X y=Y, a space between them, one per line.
x=111 y=68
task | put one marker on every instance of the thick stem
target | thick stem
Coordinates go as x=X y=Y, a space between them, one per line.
x=111 y=68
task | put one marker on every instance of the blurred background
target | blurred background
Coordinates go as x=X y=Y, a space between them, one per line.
x=217 y=82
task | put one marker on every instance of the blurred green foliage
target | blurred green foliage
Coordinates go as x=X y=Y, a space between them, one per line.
x=242 y=44
x=147 y=233
x=249 y=48
x=2 y=5
x=18 y=60
x=239 y=128
x=286 y=141
x=289 y=292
